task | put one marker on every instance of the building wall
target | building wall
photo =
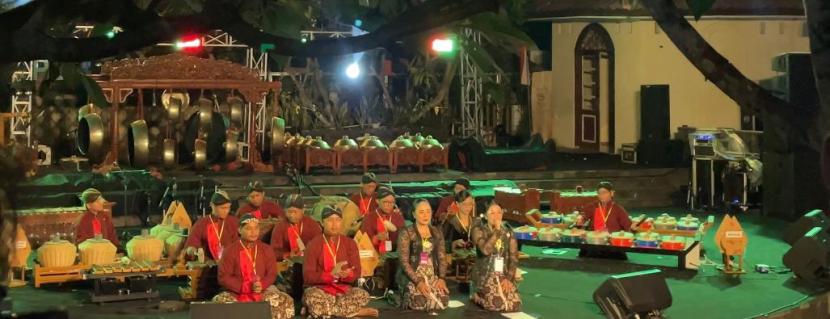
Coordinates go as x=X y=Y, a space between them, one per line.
x=644 y=55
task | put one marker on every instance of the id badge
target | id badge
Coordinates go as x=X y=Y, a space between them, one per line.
x=424 y=258
x=388 y=245
x=498 y=265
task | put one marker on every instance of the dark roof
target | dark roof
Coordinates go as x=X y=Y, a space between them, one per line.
x=571 y=8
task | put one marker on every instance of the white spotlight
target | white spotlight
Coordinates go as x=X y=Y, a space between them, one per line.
x=353 y=70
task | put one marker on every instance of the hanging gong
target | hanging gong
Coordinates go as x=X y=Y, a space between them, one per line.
x=277 y=137
x=184 y=99
x=86 y=109
x=174 y=108
x=138 y=144
x=236 y=112
x=90 y=138
x=205 y=119
x=170 y=153
x=199 y=154
x=231 y=146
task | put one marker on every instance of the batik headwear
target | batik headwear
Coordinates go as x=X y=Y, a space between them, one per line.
x=463 y=182
x=219 y=198
x=90 y=195
x=384 y=191
x=293 y=200
x=330 y=210
x=247 y=218
x=368 y=178
x=256 y=186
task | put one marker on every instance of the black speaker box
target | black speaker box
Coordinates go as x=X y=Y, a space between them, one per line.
x=654 y=113
x=815 y=218
x=216 y=310
x=808 y=258
x=637 y=293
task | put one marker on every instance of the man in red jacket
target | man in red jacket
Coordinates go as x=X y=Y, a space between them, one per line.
x=258 y=205
x=248 y=270
x=94 y=221
x=216 y=231
x=365 y=199
x=332 y=265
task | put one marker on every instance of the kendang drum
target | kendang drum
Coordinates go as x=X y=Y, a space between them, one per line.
x=647 y=240
x=673 y=243
x=665 y=222
x=596 y=238
x=551 y=234
x=573 y=236
x=526 y=232
x=551 y=218
x=622 y=239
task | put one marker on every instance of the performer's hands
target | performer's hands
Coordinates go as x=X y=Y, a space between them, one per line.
x=580 y=220
x=190 y=251
x=384 y=236
x=506 y=285
x=257 y=288
x=345 y=273
x=339 y=269
x=459 y=243
x=441 y=285
x=422 y=287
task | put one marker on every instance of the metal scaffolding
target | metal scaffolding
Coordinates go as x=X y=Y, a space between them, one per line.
x=471 y=89
x=23 y=100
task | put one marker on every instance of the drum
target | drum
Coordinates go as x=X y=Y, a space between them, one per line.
x=551 y=234
x=673 y=242
x=573 y=236
x=647 y=240
x=525 y=232
x=665 y=222
x=551 y=218
x=622 y=239
x=597 y=238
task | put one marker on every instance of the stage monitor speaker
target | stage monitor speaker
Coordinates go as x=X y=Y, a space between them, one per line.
x=643 y=293
x=815 y=218
x=809 y=258
x=219 y=310
x=654 y=113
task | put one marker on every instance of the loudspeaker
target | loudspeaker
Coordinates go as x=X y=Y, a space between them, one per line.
x=633 y=294
x=218 y=310
x=797 y=85
x=808 y=258
x=814 y=218
x=654 y=112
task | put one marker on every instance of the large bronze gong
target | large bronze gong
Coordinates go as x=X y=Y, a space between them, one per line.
x=90 y=138
x=138 y=144
x=170 y=153
x=199 y=154
x=236 y=107
x=277 y=137
x=205 y=119
x=231 y=146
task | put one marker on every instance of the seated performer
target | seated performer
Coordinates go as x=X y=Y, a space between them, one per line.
x=383 y=224
x=332 y=265
x=605 y=214
x=214 y=231
x=448 y=204
x=94 y=221
x=457 y=230
x=494 y=274
x=248 y=270
x=423 y=263
x=259 y=206
x=290 y=236
x=365 y=199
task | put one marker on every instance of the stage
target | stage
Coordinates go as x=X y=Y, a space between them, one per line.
x=553 y=287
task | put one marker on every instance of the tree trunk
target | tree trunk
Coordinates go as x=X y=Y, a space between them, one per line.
x=818 y=21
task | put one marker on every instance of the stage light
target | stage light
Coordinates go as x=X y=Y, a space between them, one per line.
x=443 y=45
x=189 y=43
x=111 y=34
x=353 y=70
x=358 y=23
x=304 y=39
